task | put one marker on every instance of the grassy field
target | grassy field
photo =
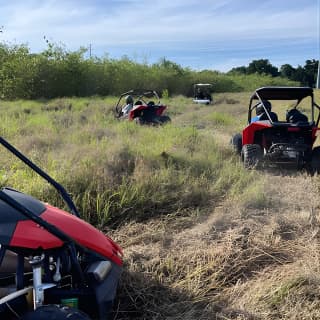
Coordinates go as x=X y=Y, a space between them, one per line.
x=203 y=238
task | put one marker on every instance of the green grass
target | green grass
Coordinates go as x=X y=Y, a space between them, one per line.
x=203 y=237
x=117 y=171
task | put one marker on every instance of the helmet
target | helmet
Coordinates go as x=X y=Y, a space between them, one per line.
x=260 y=109
x=129 y=99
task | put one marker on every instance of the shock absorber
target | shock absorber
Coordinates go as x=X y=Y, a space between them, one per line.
x=38 y=286
x=38 y=294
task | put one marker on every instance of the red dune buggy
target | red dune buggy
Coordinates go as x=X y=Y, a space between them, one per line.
x=141 y=106
x=53 y=265
x=290 y=141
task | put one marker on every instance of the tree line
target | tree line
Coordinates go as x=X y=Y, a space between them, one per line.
x=58 y=72
x=306 y=75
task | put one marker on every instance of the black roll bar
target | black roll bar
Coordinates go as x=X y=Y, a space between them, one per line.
x=47 y=226
x=64 y=194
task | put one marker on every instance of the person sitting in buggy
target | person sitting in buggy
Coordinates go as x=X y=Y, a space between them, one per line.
x=199 y=94
x=261 y=113
x=129 y=105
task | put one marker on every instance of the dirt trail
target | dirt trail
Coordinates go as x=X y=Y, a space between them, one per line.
x=287 y=193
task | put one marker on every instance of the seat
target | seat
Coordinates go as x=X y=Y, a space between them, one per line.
x=295 y=116
x=273 y=116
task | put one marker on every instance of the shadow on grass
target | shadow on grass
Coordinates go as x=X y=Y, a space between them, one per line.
x=283 y=169
x=141 y=297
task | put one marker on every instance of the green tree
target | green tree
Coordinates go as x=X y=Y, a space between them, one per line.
x=239 y=70
x=306 y=75
x=287 y=71
x=262 y=66
x=310 y=70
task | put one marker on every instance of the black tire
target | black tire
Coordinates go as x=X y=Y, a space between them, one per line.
x=251 y=155
x=236 y=142
x=139 y=120
x=315 y=160
x=165 y=119
x=55 y=312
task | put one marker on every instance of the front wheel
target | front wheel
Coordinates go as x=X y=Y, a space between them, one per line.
x=251 y=155
x=236 y=142
x=139 y=120
x=164 y=119
x=52 y=312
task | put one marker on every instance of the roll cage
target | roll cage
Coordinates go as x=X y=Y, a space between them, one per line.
x=205 y=89
x=283 y=93
x=140 y=94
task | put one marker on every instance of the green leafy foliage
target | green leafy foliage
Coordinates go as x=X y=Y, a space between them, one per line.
x=58 y=72
x=305 y=75
x=113 y=178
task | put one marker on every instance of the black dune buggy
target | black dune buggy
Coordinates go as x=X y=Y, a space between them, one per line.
x=289 y=141
x=53 y=264
x=202 y=93
x=141 y=106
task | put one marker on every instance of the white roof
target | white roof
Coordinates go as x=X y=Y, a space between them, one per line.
x=203 y=84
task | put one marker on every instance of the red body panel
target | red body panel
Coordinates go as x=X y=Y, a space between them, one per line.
x=139 y=107
x=314 y=133
x=30 y=235
x=158 y=111
x=249 y=131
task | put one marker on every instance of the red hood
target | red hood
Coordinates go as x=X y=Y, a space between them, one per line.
x=28 y=234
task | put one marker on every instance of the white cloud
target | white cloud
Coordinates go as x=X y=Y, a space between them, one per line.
x=158 y=24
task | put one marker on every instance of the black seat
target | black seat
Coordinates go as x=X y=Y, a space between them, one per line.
x=273 y=116
x=148 y=114
x=295 y=116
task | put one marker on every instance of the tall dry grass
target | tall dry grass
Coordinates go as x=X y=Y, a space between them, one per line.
x=203 y=238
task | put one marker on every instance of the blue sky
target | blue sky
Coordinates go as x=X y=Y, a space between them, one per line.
x=200 y=34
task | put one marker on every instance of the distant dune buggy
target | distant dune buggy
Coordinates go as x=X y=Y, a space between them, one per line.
x=202 y=93
x=290 y=141
x=141 y=106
